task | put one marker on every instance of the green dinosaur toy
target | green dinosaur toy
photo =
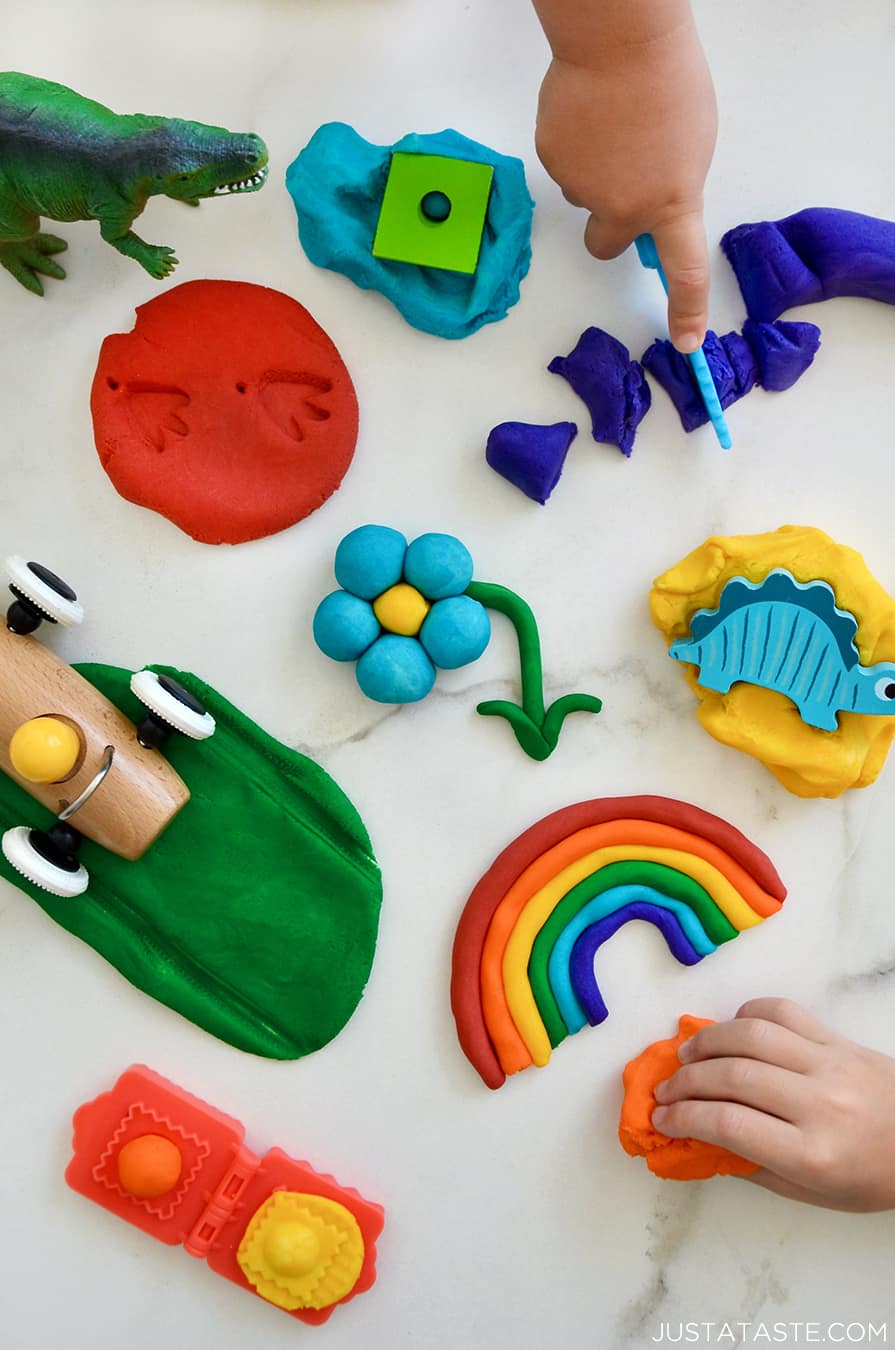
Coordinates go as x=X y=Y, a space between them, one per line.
x=65 y=157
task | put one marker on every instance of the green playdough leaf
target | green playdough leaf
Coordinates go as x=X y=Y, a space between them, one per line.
x=255 y=913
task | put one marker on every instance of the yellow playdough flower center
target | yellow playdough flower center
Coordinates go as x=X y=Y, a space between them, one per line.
x=302 y=1251
x=401 y=609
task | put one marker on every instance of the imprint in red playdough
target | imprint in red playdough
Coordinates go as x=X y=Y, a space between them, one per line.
x=227 y=409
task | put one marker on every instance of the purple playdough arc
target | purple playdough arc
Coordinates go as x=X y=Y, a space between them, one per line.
x=815 y=254
x=581 y=964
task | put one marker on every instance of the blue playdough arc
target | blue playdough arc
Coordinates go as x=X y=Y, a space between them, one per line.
x=609 y=902
x=337 y=183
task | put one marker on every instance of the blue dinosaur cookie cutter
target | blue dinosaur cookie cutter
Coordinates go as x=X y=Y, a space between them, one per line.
x=791 y=637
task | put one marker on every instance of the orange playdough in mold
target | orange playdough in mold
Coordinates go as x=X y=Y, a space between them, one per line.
x=149 y=1166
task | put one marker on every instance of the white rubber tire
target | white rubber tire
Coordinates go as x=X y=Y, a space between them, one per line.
x=197 y=726
x=20 y=854
x=68 y=613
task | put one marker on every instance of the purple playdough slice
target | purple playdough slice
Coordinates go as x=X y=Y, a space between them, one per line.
x=529 y=456
x=614 y=387
x=813 y=255
x=771 y=355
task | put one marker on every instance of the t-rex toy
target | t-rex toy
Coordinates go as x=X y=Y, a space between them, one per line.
x=65 y=157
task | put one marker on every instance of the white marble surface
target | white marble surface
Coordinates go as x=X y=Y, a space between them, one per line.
x=514 y=1220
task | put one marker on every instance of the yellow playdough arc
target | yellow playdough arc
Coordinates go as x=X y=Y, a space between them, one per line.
x=637 y=834
x=517 y=990
x=521 y=1001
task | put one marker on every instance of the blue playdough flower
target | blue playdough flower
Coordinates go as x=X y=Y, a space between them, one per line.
x=401 y=611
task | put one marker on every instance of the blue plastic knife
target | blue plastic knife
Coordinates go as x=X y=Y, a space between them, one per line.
x=649 y=256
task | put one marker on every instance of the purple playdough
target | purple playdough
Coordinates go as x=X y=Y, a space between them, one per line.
x=614 y=387
x=813 y=255
x=771 y=355
x=581 y=964
x=530 y=457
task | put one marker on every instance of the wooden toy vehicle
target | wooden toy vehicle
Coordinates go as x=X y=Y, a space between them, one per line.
x=60 y=739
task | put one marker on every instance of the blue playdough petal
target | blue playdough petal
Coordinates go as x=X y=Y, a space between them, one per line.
x=344 y=626
x=438 y=565
x=456 y=631
x=369 y=560
x=395 y=670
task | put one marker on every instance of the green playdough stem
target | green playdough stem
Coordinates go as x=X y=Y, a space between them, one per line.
x=668 y=880
x=536 y=729
x=255 y=913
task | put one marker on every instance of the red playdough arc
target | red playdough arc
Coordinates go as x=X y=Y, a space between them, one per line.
x=227 y=408
x=472 y=929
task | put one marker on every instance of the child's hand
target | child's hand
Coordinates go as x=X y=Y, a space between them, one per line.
x=815 y=1110
x=627 y=130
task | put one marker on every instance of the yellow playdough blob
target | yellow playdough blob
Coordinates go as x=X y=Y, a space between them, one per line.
x=806 y=760
x=301 y=1251
x=44 y=750
x=401 y=609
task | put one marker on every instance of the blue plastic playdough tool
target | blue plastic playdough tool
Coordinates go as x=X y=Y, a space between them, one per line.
x=648 y=254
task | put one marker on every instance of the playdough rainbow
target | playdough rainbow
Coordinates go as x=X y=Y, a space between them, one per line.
x=523 y=963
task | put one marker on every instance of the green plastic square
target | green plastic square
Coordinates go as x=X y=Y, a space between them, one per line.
x=405 y=234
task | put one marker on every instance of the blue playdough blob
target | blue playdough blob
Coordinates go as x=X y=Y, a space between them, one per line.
x=395 y=670
x=456 y=631
x=438 y=565
x=369 y=560
x=344 y=626
x=337 y=183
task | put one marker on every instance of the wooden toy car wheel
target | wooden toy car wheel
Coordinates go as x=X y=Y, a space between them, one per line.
x=171 y=708
x=39 y=596
x=41 y=861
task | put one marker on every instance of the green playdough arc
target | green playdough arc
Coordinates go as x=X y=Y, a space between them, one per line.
x=668 y=880
x=255 y=914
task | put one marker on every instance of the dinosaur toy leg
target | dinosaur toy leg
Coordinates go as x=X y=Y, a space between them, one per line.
x=157 y=259
x=24 y=251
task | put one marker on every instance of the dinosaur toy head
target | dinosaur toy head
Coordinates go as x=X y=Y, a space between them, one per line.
x=875 y=689
x=204 y=161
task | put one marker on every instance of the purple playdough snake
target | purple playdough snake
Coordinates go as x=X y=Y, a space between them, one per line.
x=815 y=254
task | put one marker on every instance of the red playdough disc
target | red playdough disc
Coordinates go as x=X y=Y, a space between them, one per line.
x=226 y=408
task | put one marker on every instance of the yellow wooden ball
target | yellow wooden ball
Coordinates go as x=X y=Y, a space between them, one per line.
x=44 y=750
x=401 y=609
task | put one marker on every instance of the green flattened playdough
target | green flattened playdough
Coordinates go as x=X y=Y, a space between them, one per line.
x=255 y=913
x=668 y=880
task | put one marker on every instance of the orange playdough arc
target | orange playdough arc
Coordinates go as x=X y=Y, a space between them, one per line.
x=509 y=1045
x=671 y=1159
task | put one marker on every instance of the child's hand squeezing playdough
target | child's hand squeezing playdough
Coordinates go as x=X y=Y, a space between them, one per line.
x=814 y=1110
x=626 y=126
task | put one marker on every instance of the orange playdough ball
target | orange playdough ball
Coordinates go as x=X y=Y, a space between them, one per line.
x=149 y=1166
x=672 y=1159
